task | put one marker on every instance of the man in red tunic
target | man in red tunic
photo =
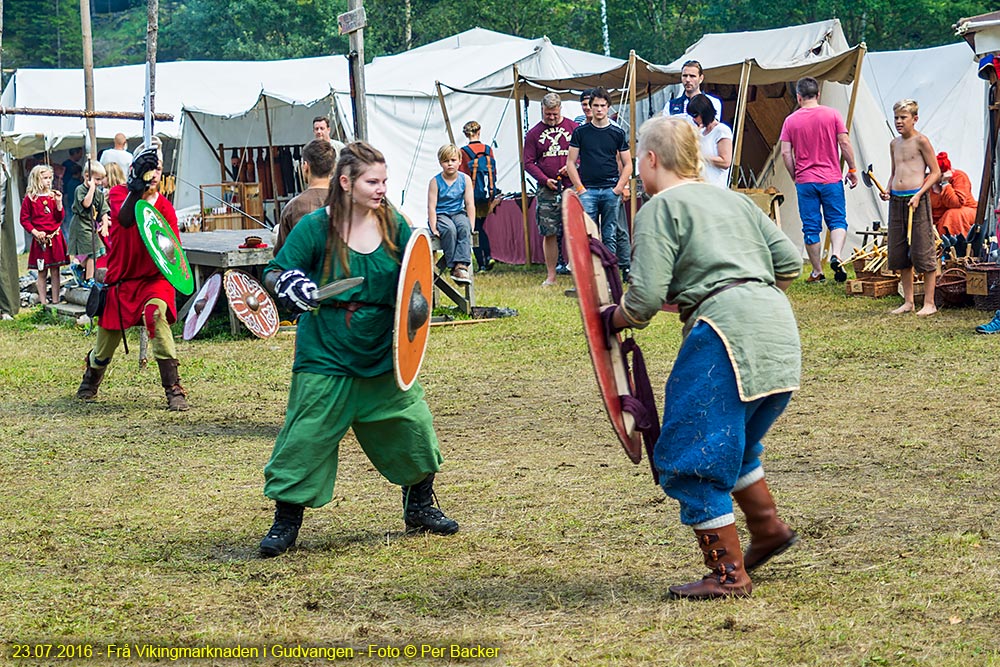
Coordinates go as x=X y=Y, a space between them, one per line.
x=137 y=291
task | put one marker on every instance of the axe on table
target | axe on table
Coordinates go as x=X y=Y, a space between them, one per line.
x=869 y=179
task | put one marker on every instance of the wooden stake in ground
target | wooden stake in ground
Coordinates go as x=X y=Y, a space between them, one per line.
x=352 y=23
x=152 y=30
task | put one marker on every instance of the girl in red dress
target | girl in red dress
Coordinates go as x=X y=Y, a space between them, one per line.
x=41 y=216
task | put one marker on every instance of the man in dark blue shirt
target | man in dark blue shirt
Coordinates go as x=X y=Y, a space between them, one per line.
x=605 y=167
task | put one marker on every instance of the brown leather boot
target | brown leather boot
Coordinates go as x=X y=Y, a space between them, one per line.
x=92 y=378
x=176 y=396
x=769 y=535
x=721 y=547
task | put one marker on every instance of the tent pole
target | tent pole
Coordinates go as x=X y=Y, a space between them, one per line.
x=854 y=90
x=270 y=159
x=631 y=139
x=444 y=112
x=988 y=162
x=520 y=160
x=222 y=162
x=152 y=32
x=88 y=78
x=741 y=111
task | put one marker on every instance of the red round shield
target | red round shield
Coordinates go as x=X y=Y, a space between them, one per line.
x=251 y=304
x=414 y=298
x=592 y=294
x=204 y=302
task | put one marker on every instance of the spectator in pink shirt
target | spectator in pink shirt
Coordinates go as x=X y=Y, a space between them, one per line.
x=813 y=139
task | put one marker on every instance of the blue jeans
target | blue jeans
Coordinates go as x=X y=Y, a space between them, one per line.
x=710 y=438
x=811 y=197
x=601 y=204
x=455 y=233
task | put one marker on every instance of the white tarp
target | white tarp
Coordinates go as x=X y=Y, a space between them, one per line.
x=945 y=83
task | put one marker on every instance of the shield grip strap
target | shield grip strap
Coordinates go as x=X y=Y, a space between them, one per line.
x=641 y=403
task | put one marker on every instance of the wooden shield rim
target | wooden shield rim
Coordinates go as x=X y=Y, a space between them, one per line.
x=210 y=292
x=184 y=282
x=419 y=246
x=593 y=292
x=266 y=304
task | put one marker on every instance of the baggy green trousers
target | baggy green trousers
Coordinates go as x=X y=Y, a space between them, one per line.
x=394 y=428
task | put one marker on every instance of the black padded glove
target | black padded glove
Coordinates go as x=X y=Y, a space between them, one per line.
x=139 y=176
x=295 y=291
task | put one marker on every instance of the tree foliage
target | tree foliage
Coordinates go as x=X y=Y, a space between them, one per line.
x=46 y=33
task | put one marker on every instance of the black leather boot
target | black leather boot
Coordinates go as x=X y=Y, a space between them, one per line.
x=419 y=511
x=284 y=530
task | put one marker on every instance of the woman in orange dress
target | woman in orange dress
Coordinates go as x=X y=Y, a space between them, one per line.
x=952 y=205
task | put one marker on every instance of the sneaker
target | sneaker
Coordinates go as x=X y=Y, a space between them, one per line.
x=838 y=269
x=813 y=278
x=563 y=270
x=991 y=327
x=460 y=274
x=489 y=264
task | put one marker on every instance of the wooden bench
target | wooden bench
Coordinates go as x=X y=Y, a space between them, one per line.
x=463 y=296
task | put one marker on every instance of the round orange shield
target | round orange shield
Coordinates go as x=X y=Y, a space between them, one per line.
x=414 y=296
x=251 y=304
x=594 y=293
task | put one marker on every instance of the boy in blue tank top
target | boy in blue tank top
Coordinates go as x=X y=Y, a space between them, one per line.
x=450 y=207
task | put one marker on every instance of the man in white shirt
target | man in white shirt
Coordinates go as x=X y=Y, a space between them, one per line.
x=118 y=154
x=321 y=131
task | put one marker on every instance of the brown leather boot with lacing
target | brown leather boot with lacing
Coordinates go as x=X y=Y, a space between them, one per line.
x=721 y=547
x=769 y=535
x=171 y=381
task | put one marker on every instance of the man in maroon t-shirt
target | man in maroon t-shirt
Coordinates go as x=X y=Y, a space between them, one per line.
x=545 y=148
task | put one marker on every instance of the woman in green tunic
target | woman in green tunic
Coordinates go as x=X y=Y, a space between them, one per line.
x=342 y=376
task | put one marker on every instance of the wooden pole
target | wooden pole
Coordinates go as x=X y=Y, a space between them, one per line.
x=444 y=112
x=357 y=46
x=152 y=32
x=862 y=49
x=633 y=204
x=520 y=160
x=88 y=77
x=270 y=159
x=80 y=113
x=740 y=130
x=992 y=117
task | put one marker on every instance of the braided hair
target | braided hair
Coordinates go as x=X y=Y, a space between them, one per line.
x=355 y=159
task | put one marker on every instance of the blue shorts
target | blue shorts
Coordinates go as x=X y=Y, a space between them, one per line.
x=814 y=195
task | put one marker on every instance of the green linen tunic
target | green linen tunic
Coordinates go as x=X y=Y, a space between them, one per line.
x=693 y=239
x=324 y=344
x=81 y=225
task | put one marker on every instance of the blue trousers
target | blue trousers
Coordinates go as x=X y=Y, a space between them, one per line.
x=601 y=204
x=710 y=438
x=455 y=233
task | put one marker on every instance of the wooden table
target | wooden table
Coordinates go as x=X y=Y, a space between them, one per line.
x=220 y=250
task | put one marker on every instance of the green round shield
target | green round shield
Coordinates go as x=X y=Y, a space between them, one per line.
x=164 y=247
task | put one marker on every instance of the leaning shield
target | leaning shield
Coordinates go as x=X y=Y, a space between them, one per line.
x=593 y=293
x=251 y=304
x=204 y=302
x=164 y=247
x=414 y=296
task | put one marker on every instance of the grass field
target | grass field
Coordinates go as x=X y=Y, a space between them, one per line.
x=124 y=524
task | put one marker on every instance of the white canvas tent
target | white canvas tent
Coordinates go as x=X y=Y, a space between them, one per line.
x=944 y=81
x=768 y=61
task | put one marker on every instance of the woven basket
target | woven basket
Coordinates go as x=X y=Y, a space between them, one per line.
x=990 y=301
x=950 y=290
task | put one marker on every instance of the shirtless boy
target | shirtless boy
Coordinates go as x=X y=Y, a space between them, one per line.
x=914 y=171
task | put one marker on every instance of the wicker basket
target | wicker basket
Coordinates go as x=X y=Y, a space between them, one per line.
x=987 y=279
x=950 y=290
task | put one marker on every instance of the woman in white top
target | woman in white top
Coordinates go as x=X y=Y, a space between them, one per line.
x=716 y=141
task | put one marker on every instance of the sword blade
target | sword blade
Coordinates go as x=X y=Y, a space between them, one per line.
x=338 y=286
